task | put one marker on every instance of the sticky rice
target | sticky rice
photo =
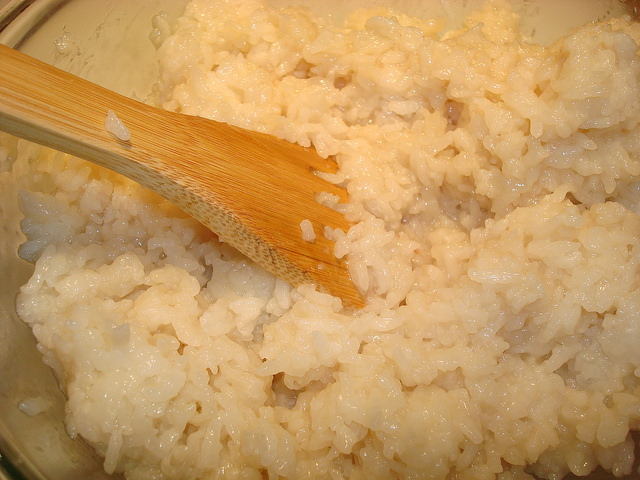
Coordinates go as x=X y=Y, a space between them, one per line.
x=495 y=198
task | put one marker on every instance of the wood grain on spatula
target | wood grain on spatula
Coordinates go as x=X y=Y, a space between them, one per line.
x=251 y=189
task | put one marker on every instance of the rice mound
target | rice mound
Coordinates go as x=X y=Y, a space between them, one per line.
x=495 y=197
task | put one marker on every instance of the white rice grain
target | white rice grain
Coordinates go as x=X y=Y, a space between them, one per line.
x=115 y=126
x=308 y=234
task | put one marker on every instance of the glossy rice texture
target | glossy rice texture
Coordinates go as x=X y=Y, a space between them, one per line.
x=495 y=197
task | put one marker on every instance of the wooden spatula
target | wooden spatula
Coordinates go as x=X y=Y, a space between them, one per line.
x=251 y=189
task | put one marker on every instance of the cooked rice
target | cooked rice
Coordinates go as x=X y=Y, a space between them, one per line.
x=308 y=234
x=495 y=197
x=116 y=127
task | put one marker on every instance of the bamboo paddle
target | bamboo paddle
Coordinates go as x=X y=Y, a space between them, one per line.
x=251 y=189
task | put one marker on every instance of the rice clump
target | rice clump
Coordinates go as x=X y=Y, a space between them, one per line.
x=495 y=200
